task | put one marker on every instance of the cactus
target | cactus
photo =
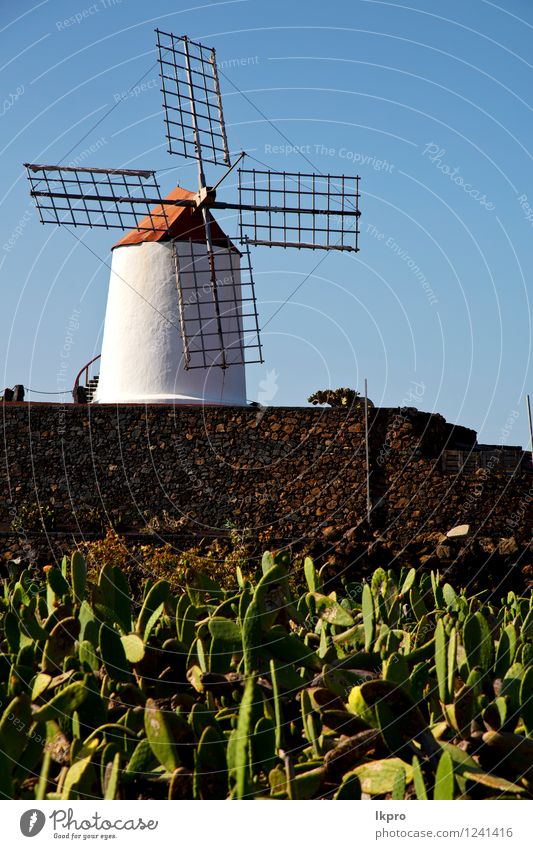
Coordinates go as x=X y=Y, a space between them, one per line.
x=444 y=778
x=88 y=657
x=385 y=705
x=64 y=703
x=277 y=707
x=257 y=619
x=80 y=779
x=511 y=750
x=477 y=641
x=379 y=777
x=496 y=713
x=89 y=625
x=12 y=631
x=398 y=788
x=310 y=575
x=210 y=769
x=111 y=598
x=396 y=669
x=78 y=572
x=185 y=621
x=14 y=727
x=226 y=641
x=133 y=646
x=111 y=777
x=42 y=785
x=141 y=761
x=417 y=602
x=290 y=649
x=526 y=701
x=60 y=644
x=309 y=719
x=332 y=612
x=505 y=651
x=161 y=733
x=254 y=693
x=345 y=756
x=307 y=784
x=264 y=744
x=113 y=654
x=441 y=662
x=409 y=580
x=152 y=609
x=243 y=772
x=349 y=789
x=369 y=618
x=57 y=585
x=418 y=780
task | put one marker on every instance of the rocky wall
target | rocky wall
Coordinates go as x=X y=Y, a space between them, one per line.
x=300 y=472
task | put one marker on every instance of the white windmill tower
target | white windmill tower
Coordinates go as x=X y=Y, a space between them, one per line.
x=143 y=358
x=181 y=319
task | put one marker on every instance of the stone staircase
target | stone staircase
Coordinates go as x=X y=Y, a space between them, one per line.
x=91 y=387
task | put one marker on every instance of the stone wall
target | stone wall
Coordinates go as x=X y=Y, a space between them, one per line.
x=300 y=471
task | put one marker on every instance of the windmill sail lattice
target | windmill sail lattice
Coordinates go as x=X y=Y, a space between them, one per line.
x=96 y=197
x=230 y=332
x=315 y=211
x=192 y=103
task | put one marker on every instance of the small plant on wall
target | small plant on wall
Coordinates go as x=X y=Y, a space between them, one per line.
x=343 y=397
x=31 y=516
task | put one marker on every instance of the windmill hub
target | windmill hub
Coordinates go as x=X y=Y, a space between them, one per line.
x=181 y=318
x=205 y=197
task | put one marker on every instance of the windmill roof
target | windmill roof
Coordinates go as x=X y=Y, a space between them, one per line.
x=184 y=223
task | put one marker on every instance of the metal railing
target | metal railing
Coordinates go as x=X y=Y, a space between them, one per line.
x=84 y=371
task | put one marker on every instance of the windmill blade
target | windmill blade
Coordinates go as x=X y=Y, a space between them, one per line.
x=98 y=197
x=216 y=303
x=192 y=102
x=295 y=210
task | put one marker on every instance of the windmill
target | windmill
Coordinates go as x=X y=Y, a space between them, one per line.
x=181 y=318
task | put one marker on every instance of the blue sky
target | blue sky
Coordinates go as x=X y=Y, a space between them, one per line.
x=430 y=104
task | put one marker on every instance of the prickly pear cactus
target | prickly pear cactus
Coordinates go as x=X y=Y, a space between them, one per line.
x=282 y=688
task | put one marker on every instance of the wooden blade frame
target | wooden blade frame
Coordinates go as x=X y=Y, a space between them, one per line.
x=294 y=210
x=192 y=102
x=96 y=197
x=217 y=305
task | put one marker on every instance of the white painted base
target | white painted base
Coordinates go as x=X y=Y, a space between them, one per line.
x=142 y=355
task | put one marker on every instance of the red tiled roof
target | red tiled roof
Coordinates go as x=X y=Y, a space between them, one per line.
x=184 y=222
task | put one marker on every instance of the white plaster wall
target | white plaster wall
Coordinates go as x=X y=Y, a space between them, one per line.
x=142 y=356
